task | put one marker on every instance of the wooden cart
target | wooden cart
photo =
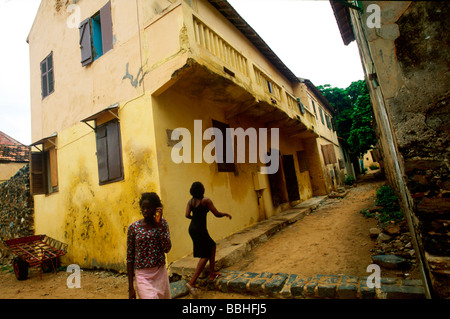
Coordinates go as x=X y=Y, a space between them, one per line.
x=35 y=251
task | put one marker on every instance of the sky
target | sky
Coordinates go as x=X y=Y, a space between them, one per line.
x=302 y=33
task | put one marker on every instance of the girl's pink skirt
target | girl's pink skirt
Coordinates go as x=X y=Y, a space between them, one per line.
x=152 y=283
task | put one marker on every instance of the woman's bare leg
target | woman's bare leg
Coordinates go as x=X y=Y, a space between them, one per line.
x=201 y=264
x=212 y=264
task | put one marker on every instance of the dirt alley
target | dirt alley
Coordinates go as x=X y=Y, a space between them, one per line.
x=333 y=239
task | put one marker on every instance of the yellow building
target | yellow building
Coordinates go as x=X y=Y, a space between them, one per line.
x=334 y=159
x=112 y=82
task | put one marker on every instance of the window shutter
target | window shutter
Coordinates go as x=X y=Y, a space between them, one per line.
x=37 y=173
x=53 y=167
x=44 y=87
x=106 y=21
x=300 y=105
x=321 y=115
x=50 y=75
x=332 y=155
x=114 y=150
x=329 y=156
x=85 y=42
x=333 y=124
x=102 y=154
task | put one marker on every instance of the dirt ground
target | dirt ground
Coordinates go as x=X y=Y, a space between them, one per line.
x=334 y=239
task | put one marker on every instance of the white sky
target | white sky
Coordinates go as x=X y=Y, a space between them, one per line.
x=303 y=34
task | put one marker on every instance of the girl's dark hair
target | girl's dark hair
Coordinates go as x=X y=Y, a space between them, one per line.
x=197 y=190
x=152 y=197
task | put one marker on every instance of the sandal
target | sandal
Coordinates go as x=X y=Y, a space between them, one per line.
x=192 y=290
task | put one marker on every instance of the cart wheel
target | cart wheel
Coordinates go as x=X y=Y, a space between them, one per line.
x=20 y=268
x=49 y=264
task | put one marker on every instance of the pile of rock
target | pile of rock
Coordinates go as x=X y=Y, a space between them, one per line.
x=393 y=246
x=16 y=209
x=393 y=239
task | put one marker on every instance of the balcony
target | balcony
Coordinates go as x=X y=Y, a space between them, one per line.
x=217 y=70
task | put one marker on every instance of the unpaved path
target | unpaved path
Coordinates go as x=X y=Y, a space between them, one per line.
x=333 y=239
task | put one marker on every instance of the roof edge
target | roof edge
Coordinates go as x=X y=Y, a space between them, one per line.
x=227 y=10
x=318 y=94
x=342 y=15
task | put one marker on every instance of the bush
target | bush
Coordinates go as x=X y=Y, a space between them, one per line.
x=387 y=198
x=374 y=167
x=349 y=180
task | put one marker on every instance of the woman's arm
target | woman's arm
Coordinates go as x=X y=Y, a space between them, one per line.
x=165 y=236
x=214 y=210
x=188 y=210
x=131 y=291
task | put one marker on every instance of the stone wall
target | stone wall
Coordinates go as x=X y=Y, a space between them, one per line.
x=406 y=66
x=16 y=210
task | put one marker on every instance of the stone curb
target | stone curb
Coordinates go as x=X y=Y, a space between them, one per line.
x=292 y=286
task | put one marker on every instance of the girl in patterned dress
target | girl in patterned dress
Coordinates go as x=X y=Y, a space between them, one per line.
x=148 y=240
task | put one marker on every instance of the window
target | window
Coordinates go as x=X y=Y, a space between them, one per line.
x=269 y=86
x=300 y=106
x=314 y=107
x=329 y=156
x=321 y=115
x=44 y=169
x=333 y=124
x=327 y=118
x=96 y=36
x=109 y=152
x=222 y=165
x=47 y=77
x=302 y=161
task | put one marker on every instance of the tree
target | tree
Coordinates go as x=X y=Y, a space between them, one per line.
x=354 y=115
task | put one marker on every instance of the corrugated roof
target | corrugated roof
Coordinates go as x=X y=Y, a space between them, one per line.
x=5 y=139
x=12 y=150
x=231 y=14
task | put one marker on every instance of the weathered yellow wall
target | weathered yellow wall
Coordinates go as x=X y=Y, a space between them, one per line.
x=79 y=92
x=231 y=193
x=93 y=219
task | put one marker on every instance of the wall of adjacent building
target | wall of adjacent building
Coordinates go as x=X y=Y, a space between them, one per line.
x=406 y=65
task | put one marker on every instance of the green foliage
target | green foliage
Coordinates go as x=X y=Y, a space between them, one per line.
x=7 y=268
x=387 y=217
x=374 y=167
x=354 y=115
x=366 y=213
x=390 y=208
x=387 y=198
x=349 y=180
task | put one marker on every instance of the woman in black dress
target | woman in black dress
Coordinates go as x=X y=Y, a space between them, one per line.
x=204 y=246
